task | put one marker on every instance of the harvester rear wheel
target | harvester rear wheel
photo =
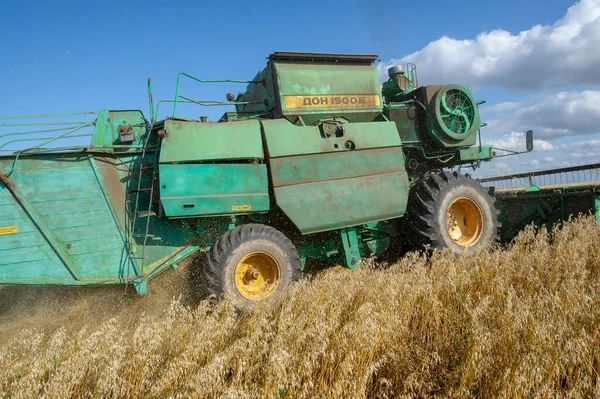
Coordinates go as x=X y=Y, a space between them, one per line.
x=450 y=210
x=251 y=263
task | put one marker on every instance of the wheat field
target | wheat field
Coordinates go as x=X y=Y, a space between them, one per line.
x=518 y=322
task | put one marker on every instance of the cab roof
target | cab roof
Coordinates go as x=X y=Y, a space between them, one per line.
x=360 y=59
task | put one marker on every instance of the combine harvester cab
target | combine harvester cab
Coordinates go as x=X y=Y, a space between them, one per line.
x=316 y=162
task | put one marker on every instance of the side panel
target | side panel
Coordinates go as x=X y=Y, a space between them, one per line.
x=313 y=168
x=65 y=193
x=284 y=138
x=196 y=181
x=331 y=191
x=119 y=177
x=188 y=141
x=24 y=254
x=210 y=189
x=405 y=117
x=321 y=186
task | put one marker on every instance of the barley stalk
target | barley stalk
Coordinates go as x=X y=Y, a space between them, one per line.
x=523 y=321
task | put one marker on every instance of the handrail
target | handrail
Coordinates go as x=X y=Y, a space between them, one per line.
x=206 y=102
x=47 y=141
x=30 y=132
x=41 y=124
x=64 y=128
x=42 y=138
x=212 y=103
x=46 y=115
x=158 y=104
x=37 y=139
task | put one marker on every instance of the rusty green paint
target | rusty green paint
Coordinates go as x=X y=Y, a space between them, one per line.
x=351 y=248
x=322 y=192
x=213 y=189
x=311 y=78
x=106 y=131
x=333 y=204
x=187 y=141
x=322 y=183
x=476 y=153
x=284 y=138
x=303 y=169
x=404 y=115
x=296 y=74
x=70 y=215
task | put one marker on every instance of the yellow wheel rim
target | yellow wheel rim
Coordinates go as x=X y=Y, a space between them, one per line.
x=464 y=222
x=257 y=275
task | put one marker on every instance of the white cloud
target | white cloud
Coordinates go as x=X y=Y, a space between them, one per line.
x=563 y=114
x=535 y=164
x=582 y=146
x=547 y=160
x=552 y=116
x=542 y=145
x=501 y=168
x=584 y=152
x=501 y=124
x=559 y=55
x=500 y=107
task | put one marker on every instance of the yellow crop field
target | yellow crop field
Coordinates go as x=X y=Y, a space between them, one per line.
x=518 y=322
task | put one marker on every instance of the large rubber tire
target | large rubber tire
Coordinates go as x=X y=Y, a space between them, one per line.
x=251 y=263
x=450 y=210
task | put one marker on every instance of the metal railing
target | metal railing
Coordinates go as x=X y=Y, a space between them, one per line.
x=562 y=176
x=207 y=103
x=45 y=133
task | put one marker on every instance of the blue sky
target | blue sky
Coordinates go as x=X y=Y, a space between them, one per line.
x=85 y=55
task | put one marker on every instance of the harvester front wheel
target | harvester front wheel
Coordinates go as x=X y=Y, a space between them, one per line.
x=450 y=210
x=251 y=263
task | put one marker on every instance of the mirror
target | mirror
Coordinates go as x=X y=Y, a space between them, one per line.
x=529 y=140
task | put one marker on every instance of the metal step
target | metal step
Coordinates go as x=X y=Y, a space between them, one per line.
x=149 y=236
x=144 y=214
x=153 y=238
x=135 y=190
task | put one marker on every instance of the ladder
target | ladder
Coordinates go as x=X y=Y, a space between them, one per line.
x=139 y=215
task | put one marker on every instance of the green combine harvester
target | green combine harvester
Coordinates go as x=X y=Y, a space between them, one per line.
x=318 y=161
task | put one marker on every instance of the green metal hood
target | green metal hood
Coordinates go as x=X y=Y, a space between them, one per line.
x=315 y=86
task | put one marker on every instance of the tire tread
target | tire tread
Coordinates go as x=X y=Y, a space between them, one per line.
x=219 y=252
x=421 y=214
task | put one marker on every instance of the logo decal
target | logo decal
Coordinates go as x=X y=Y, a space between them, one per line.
x=8 y=230
x=332 y=101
